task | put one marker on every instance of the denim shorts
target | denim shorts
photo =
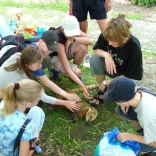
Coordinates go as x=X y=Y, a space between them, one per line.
x=131 y=114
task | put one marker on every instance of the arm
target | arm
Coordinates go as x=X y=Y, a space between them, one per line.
x=110 y=65
x=24 y=148
x=82 y=39
x=57 y=89
x=128 y=136
x=68 y=70
x=108 y=4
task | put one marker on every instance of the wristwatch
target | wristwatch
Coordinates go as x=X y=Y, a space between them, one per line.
x=74 y=40
x=104 y=83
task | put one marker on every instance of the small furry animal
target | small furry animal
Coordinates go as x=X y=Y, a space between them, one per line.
x=86 y=110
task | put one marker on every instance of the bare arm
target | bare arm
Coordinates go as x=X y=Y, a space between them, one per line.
x=68 y=70
x=110 y=65
x=108 y=5
x=57 y=89
x=24 y=148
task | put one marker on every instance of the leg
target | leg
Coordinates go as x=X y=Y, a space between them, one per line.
x=102 y=23
x=79 y=52
x=84 y=26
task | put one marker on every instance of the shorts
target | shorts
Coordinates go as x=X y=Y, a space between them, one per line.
x=96 y=9
x=131 y=114
x=57 y=65
x=98 y=67
x=46 y=63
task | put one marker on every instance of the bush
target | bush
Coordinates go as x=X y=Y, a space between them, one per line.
x=146 y=3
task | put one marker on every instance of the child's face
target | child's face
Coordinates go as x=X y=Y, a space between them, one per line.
x=113 y=44
x=35 y=66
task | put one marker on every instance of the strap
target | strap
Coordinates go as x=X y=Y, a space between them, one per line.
x=17 y=141
x=146 y=90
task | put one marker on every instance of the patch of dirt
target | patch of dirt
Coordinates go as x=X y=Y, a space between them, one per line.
x=148 y=13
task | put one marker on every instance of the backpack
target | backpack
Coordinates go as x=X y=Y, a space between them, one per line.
x=12 y=44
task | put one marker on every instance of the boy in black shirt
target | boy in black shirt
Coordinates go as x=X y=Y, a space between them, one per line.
x=117 y=53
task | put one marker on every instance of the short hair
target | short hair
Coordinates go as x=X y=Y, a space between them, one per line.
x=117 y=30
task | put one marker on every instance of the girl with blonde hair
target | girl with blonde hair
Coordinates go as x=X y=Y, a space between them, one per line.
x=18 y=97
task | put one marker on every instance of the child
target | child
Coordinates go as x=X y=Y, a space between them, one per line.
x=21 y=66
x=117 y=53
x=136 y=105
x=18 y=97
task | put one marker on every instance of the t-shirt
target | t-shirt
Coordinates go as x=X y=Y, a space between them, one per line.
x=61 y=38
x=146 y=114
x=14 y=77
x=128 y=59
x=9 y=129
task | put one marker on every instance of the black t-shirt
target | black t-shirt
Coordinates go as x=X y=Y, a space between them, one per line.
x=128 y=59
x=61 y=38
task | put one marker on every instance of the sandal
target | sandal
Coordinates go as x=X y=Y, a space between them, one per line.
x=97 y=100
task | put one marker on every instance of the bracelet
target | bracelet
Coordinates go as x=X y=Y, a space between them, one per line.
x=74 y=40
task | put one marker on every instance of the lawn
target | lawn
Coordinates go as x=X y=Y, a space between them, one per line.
x=60 y=136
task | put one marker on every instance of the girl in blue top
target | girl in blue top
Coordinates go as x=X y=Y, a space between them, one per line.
x=18 y=97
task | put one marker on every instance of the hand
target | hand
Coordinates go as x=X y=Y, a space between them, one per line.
x=72 y=96
x=124 y=137
x=110 y=65
x=108 y=4
x=124 y=109
x=86 y=93
x=72 y=105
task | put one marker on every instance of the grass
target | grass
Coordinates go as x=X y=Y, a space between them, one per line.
x=60 y=136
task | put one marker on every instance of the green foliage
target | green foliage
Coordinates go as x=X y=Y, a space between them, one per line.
x=145 y=3
x=54 y=5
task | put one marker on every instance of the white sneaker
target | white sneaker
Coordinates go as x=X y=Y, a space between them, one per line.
x=86 y=62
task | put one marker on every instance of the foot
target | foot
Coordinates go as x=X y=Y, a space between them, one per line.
x=98 y=99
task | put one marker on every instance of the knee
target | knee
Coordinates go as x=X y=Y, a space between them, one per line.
x=83 y=48
x=77 y=72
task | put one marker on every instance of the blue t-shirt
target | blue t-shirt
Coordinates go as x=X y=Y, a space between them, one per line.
x=9 y=129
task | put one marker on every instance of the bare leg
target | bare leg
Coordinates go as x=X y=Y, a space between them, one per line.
x=80 y=50
x=84 y=26
x=136 y=125
x=102 y=23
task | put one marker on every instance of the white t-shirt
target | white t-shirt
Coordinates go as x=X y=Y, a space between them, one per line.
x=146 y=114
x=7 y=77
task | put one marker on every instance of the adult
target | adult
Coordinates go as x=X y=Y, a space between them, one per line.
x=21 y=66
x=142 y=105
x=97 y=9
x=18 y=97
x=72 y=45
x=117 y=53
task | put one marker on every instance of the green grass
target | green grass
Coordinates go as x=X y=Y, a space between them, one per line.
x=59 y=135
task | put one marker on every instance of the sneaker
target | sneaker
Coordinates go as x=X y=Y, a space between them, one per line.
x=54 y=75
x=82 y=80
x=86 y=62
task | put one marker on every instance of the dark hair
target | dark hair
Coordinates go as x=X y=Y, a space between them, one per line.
x=117 y=30
x=29 y=56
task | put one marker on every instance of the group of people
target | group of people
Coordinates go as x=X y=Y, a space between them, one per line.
x=116 y=65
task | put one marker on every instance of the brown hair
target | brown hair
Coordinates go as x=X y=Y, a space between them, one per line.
x=27 y=90
x=29 y=56
x=117 y=30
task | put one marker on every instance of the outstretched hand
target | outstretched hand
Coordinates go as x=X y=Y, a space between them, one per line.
x=72 y=105
x=72 y=96
x=86 y=93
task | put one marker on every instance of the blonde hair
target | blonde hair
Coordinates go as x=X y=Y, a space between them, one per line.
x=117 y=30
x=25 y=90
x=29 y=56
